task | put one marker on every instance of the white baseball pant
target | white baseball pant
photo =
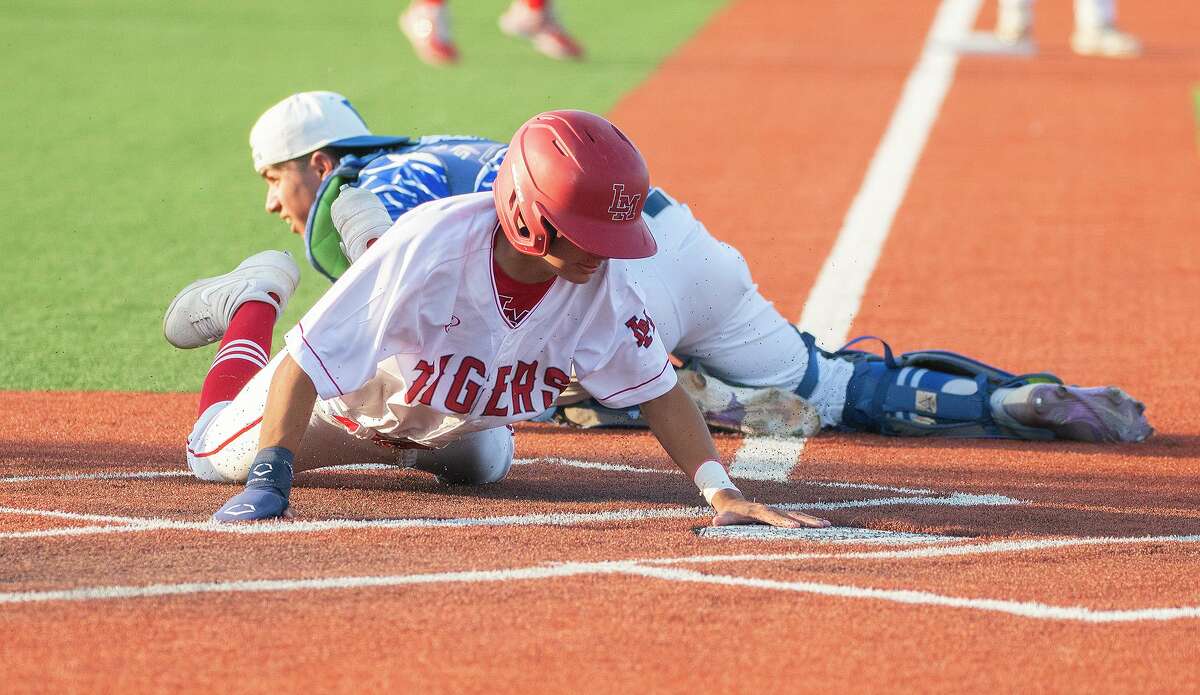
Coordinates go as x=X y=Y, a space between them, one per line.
x=224 y=441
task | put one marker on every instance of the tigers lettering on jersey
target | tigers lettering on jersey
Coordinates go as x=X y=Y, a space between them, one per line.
x=436 y=357
x=470 y=383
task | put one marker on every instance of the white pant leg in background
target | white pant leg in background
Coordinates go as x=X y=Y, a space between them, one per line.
x=713 y=314
x=1095 y=14
x=224 y=441
x=1089 y=14
x=711 y=311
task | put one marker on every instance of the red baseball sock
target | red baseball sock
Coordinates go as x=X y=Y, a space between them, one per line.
x=535 y=4
x=244 y=351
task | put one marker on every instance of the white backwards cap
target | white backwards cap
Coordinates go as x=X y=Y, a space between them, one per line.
x=306 y=122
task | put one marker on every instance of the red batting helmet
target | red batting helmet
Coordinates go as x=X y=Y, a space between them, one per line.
x=573 y=173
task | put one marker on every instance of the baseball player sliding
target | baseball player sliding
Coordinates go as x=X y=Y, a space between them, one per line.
x=700 y=304
x=705 y=304
x=413 y=354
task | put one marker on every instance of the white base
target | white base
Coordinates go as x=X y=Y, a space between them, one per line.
x=833 y=534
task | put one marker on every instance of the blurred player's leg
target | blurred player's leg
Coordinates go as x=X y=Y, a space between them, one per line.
x=426 y=23
x=1014 y=20
x=1096 y=32
x=536 y=21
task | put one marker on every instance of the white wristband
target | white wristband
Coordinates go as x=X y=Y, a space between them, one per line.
x=710 y=478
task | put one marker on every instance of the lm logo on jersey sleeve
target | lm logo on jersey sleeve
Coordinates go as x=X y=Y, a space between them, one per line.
x=642 y=328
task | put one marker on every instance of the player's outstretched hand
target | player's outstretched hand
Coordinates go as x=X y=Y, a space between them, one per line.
x=733 y=509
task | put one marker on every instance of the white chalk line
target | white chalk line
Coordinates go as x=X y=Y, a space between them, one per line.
x=73 y=516
x=143 y=524
x=965 y=547
x=955 y=499
x=126 y=524
x=596 y=465
x=570 y=463
x=766 y=458
x=660 y=568
x=842 y=281
x=131 y=475
x=146 y=475
x=139 y=524
x=830 y=535
x=327 y=583
x=150 y=475
x=1024 y=609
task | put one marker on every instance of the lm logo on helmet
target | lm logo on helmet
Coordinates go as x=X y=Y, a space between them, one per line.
x=623 y=206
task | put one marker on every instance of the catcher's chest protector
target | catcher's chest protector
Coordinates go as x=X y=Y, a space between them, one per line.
x=462 y=157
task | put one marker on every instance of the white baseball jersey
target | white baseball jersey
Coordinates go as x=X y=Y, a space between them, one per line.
x=412 y=344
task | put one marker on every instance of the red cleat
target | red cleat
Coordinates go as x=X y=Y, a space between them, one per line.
x=541 y=28
x=427 y=26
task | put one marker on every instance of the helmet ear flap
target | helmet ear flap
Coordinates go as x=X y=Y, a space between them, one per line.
x=522 y=229
x=549 y=231
x=508 y=210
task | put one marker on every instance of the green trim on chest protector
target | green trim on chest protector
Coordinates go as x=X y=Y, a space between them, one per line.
x=463 y=157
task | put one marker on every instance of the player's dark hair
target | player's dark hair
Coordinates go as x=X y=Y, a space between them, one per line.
x=334 y=153
x=338 y=152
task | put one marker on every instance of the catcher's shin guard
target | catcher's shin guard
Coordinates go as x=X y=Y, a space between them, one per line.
x=930 y=393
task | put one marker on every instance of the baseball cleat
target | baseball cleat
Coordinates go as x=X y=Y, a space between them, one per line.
x=1105 y=42
x=542 y=29
x=427 y=27
x=201 y=312
x=1100 y=414
x=771 y=412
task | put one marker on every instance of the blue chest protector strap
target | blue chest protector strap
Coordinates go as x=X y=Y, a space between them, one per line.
x=463 y=158
x=926 y=393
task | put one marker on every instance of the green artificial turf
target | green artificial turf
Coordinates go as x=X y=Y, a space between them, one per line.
x=129 y=170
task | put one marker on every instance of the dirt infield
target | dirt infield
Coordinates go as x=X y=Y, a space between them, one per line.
x=1047 y=226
